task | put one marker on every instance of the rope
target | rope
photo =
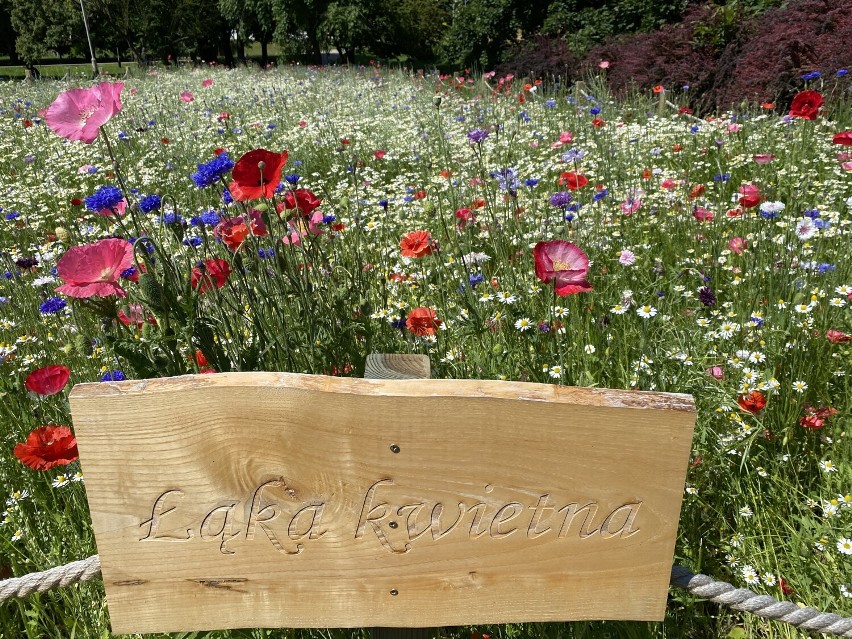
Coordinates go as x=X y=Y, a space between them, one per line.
x=760 y=605
x=699 y=585
x=76 y=571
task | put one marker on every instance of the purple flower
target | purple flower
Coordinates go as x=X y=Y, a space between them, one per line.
x=477 y=135
x=561 y=200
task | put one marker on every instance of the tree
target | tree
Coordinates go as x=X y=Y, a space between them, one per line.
x=252 y=20
x=480 y=30
x=300 y=21
x=43 y=27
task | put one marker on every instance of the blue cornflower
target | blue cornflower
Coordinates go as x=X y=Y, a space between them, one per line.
x=757 y=321
x=550 y=104
x=171 y=218
x=575 y=207
x=210 y=172
x=210 y=218
x=398 y=323
x=812 y=213
x=813 y=75
x=530 y=182
x=383 y=204
x=769 y=215
x=128 y=273
x=569 y=217
x=92 y=170
x=722 y=177
x=460 y=118
x=561 y=199
x=266 y=253
x=293 y=179
x=694 y=128
x=227 y=198
x=841 y=72
x=3 y=300
x=475 y=279
x=106 y=197
x=477 y=135
x=594 y=110
x=822 y=224
x=573 y=155
x=193 y=241
x=597 y=197
x=507 y=179
x=113 y=376
x=524 y=116
x=150 y=203
x=328 y=218
x=826 y=268
x=52 y=305
x=12 y=215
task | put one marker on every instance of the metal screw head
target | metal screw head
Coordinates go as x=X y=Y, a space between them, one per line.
x=393 y=524
x=394 y=448
x=394 y=592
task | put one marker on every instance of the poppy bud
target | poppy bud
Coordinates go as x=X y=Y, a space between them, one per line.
x=153 y=292
x=261 y=165
x=62 y=234
x=83 y=345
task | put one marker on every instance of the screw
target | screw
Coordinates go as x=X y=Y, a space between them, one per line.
x=393 y=524
x=394 y=592
x=394 y=448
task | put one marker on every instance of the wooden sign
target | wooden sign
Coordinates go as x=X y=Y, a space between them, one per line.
x=283 y=500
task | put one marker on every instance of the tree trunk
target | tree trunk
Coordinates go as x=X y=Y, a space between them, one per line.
x=241 y=50
x=226 y=49
x=316 y=51
x=118 y=56
x=264 y=53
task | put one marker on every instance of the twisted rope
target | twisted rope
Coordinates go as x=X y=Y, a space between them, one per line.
x=58 y=577
x=699 y=585
x=764 y=606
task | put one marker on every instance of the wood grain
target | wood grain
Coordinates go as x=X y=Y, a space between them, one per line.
x=276 y=499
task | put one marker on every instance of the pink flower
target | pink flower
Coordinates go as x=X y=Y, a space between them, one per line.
x=603 y=64
x=737 y=245
x=206 y=83
x=564 y=264
x=763 y=158
x=78 y=114
x=187 y=96
x=94 y=269
x=702 y=215
x=847 y=166
x=627 y=258
x=566 y=137
x=716 y=372
x=118 y=210
x=631 y=205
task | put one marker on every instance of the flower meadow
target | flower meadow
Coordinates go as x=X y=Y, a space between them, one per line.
x=299 y=219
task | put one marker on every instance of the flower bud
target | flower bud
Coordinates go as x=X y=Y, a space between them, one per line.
x=62 y=234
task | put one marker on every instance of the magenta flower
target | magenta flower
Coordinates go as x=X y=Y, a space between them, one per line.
x=94 y=269
x=187 y=96
x=564 y=264
x=78 y=114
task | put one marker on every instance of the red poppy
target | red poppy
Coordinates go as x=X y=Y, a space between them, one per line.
x=218 y=151
x=812 y=422
x=422 y=321
x=416 y=244
x=27 y=124
x=465 y=216
x=754 y=402
x=786 y=588
x=233 y=231
x=212 y=273
x=806 y=105
x=684 y=110
x=767 y=105
x=844 y=138
x=303 y=200
x=696 y=191
x=136 y=315
x=573 y=181
x=48 y=380
x=257 y=174
x=837 y=337
x=749 y=196
x=598 y=123
x=564 y=264
x=76 y=202
x=379 y=155
x=658 y=89
x=47 y=447
x=677 y=148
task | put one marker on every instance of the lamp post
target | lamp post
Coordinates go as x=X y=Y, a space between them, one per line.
x=89 y=38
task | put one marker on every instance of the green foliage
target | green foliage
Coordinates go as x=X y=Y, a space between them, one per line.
x=725 y=22
x=479 y=31
x=584 y=23
x=42 y=27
